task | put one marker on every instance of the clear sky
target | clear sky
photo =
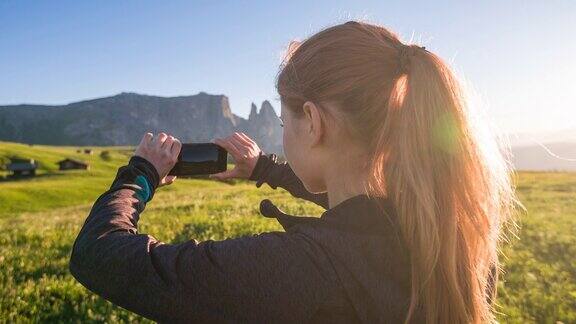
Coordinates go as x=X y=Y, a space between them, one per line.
x=519 y=56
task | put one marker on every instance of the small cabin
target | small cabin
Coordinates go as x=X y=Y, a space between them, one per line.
x=88 y=151
x=22 y=167
x=71 y=164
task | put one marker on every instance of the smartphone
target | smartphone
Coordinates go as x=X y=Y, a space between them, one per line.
x=200 y=158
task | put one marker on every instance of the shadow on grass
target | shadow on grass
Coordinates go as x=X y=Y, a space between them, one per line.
x=27 y=178
x=11 y=178
x=49 y=265
x=200 y=231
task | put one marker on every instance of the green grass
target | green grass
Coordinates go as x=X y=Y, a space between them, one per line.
x=539 y=285
x=40 y=217
x=52 y=188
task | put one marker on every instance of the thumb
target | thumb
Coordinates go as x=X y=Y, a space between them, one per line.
x=167 y=180
x=223 y=175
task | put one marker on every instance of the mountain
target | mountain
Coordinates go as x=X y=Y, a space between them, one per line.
x=559 y=156
x=545 y=150
x=567 y=135
x=123 y=119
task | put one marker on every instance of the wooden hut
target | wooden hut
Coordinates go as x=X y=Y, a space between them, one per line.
x=71 y=164
x=22 y=167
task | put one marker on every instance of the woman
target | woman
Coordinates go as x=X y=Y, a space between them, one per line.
x=378 y=133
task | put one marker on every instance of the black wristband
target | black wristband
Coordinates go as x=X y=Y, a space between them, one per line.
x=263 y=163
x=148 y=169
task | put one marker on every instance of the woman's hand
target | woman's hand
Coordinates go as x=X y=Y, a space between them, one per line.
x=245 y=153
x=162 y=151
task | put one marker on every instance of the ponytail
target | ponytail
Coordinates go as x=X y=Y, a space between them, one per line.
x=450 y=187
x=430 y=159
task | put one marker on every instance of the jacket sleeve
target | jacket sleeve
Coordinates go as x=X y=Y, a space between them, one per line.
x=275 y=174
x=259 y=278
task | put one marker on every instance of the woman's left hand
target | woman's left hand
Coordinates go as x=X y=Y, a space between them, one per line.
x=162 y=151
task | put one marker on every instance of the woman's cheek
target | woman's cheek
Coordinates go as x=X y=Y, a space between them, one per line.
x=290 y=143
x=285 y=144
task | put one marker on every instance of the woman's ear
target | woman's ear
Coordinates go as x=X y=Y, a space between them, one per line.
x=314 y=126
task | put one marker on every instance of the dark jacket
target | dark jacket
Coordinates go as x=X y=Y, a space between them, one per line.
x=349 y=265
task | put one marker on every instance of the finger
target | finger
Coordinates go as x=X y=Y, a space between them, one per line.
x=247 y=138
x=224 y=175
x=158 y=140
x=169 y=179
x=176 y=147
x=146 y=138
x=241 y=139
x=167 y=145
x=241 y=147
x=227 y=146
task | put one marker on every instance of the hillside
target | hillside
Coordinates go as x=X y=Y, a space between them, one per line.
x=40 y=218
x=123 y=118
x=556 y=156
x=53 y=188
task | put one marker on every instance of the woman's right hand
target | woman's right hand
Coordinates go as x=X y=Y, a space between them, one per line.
x=245 y=153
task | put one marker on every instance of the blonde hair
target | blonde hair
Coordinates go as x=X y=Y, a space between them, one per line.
x=451 y=189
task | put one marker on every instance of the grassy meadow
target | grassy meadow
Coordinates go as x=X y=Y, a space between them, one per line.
x=40 y=217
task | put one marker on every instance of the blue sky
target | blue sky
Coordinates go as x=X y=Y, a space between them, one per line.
x=518 y=56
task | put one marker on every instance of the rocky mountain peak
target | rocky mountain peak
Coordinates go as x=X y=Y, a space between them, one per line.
x=121 y=120
x=127 y=94
x=267 y=111
x=253 y=112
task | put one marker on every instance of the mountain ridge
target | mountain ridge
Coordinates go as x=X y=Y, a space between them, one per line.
x=121 y=119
